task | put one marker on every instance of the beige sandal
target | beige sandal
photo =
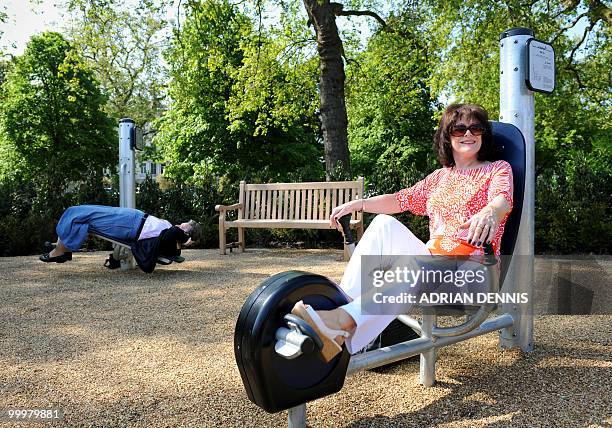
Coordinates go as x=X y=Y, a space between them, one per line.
x=327 y=335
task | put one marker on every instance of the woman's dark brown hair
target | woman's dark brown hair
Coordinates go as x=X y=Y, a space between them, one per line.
x=453 y=114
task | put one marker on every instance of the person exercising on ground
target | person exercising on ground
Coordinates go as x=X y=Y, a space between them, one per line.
x=147 y=235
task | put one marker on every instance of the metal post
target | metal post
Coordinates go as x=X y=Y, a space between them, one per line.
x=427 y=373
x=127 y=164
x=516 y=106
x=296 y=417
x=127 y=181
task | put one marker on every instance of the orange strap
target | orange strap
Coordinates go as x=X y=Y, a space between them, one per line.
x=464 y=249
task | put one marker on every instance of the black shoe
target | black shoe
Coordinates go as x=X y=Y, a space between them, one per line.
x=48 y=247
x=57 y=259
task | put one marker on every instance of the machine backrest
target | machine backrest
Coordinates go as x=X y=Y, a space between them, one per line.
x=510 y=146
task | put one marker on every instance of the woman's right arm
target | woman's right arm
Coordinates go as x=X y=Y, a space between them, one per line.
x=383 y=204
x=413 y=199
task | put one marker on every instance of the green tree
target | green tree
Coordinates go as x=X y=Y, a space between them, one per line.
x=51 y=116
x=466 y=62
x=391 y=108
x=572 y=125
x=391 y=111
x=236 y=110
x=204 y=52
x=122 y=45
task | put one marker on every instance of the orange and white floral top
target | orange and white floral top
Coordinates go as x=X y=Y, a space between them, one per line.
x=450 y=197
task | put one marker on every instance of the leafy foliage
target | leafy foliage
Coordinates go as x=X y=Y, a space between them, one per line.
x=55 y=141
x=236 y=97
x=121 y=44
x=572 y=204
x=391 y=109
x=52 y=118
x=572 y=124
x=235 y=109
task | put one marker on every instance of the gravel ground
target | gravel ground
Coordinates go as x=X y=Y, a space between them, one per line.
x=113 y=349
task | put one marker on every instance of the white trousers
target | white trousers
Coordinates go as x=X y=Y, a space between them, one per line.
x=385 y=237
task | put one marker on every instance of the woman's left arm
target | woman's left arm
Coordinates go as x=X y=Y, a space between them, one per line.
x=484 y=224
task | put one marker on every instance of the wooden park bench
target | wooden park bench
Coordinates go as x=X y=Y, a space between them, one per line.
x=288 y=206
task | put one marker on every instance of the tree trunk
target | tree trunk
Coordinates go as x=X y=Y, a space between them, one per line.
x=333 y=108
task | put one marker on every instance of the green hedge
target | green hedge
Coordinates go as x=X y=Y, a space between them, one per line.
x=573 y=213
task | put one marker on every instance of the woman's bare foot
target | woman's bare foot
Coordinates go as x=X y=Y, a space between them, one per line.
x=338 y=319
x=329 y=336
x=55 y=252
x=59 y=249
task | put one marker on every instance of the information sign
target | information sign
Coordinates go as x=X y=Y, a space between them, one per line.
x=540 y=66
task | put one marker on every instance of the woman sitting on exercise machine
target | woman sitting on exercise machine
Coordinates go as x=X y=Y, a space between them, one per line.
x=467 y=201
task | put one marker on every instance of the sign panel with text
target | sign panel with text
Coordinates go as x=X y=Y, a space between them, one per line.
x=540 y=66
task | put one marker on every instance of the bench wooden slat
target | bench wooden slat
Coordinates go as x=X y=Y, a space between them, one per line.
x=241 y=200
x=285 y=224
x=264 y=204
x=322 y=205
x=247 y=207
x=262 y=209
x=300 y=186
x=313 y=205
x=253 y=197
x=274 y=202
x=333 y=201
x=254 y=214
x=285 y=199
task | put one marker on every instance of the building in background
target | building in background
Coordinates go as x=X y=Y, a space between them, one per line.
x=148 y=168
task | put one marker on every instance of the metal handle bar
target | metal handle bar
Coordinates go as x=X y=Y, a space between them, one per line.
x=483 y=312
x=349 y=241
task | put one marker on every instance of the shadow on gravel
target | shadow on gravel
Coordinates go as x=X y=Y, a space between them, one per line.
x=59 y=312
x=549 y=394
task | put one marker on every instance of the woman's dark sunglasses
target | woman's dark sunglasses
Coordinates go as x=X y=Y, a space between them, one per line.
x=460 y=130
